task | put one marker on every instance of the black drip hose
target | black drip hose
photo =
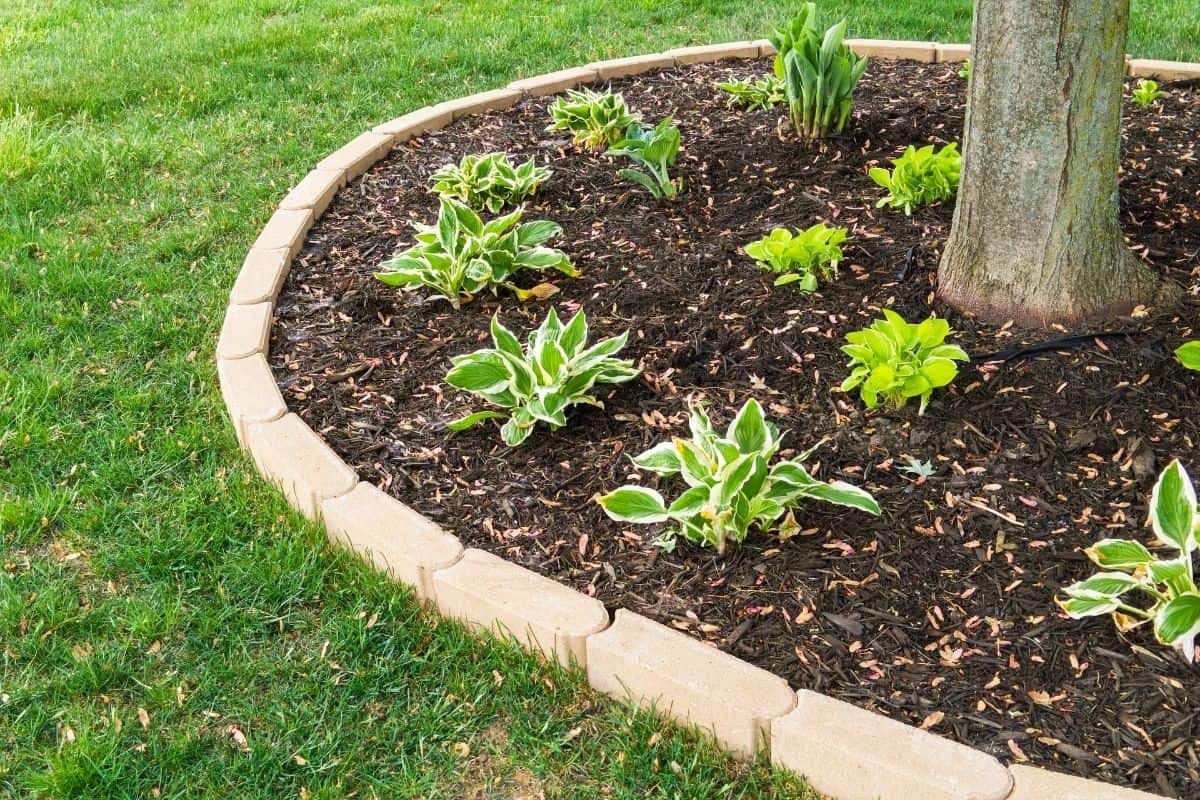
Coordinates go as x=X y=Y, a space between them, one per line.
x=1066 y=343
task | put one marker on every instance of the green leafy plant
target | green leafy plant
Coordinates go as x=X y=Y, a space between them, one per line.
x=895 y=360
x=765 y=92
x=461 y=256
x=595 y=119
x=1188 y=354
x=731 y=483
x=965 y=71
x=919 y=177
x=1146 y=92
x=655 y=149
x=488 y=182
x=801 y=257
x=819 y=72
x=539 y=382
x=1128 y=566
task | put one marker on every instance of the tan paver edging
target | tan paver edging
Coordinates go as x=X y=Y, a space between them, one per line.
x=845 y=751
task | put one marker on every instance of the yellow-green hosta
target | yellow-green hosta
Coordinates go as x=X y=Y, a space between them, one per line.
x=762 y=93
x=732 y=484
x=895 y=360
x=538 y=383
x=802 y=256
x=1129 y=566
x=919 y=177
x=461 y=256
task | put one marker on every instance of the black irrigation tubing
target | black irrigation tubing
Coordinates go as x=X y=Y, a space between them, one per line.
x=1065 y=343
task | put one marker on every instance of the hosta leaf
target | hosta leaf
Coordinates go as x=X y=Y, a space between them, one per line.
x=660 y=459
x=693 y=463
x=634 y=504
x=514 y=433
x=1178 y=622
x=574 y=335
x=473 y=419
x=1173 y=508
x=748 y=428
x=845 y=494
x=481 y=372
x=1176 y=573
x=1188 y=354
x=1111 y=584
x=938 y=371
x=1121 y=554
x=690 y=503
x=1089 y=606
x=505 y=340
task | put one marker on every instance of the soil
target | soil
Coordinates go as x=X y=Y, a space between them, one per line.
x=940 y=613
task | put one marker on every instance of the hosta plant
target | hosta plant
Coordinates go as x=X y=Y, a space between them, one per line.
x=801 y=257
x=759 y=93
x=1188 y=354
x=894 y=360
x=919 y=177
x=461 y=256
x=1128 y=567
x=964 y=72
x=732 y=484
x=539 y=382
x=1146 y=92
x=655 y=149
x=594 y=119
x=819 y=73
x=488 y=182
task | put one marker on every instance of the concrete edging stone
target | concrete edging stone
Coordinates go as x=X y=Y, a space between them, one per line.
x=847 y=752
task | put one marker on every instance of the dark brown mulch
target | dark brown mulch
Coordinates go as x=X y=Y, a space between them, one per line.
x=940 y=613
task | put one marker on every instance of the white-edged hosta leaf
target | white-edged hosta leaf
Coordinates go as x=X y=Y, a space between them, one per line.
x=1178 y=622
x=471 y=420
x=482 y=373
x=634 y=504
x=749 y=428
x=1110 y=584
x=1089 y=606
x=1176 y=573
x=660 y=459
x=844 y=494
x=1173 y=508
x=690 y=503
x=1121 y=554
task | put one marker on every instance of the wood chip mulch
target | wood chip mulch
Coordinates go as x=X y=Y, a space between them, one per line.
x=939 y=613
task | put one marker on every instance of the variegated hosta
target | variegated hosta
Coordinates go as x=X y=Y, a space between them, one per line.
x=595 y=119
x=732 y=484
x=1128 y=566
x=555 y=371
x=461 y=256
x=488 y=182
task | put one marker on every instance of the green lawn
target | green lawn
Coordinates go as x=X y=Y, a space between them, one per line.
x=167 y=627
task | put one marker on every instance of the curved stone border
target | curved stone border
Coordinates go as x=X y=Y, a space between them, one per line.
x=844 y=751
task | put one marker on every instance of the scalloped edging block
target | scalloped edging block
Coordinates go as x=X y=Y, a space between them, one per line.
x=415 y=123
x=315 y=190
x=246 y=331
x=1032 y=783
x=290 y=455
x=357 y=155
x=555 y=82
x=952 y=52
x=925 y=52
x=707 y=53
x=250 y=391
x=260 y=278
x=393 y=537
x=855 y=754
x=640 y=660
x=494 y=100
x=285 y=230
x=636 y=65
x=1163 y=70
x=493 y=594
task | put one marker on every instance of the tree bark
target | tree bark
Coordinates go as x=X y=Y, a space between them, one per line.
x=1036 y=235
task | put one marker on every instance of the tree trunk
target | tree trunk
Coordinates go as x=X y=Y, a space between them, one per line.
x=1036 y=235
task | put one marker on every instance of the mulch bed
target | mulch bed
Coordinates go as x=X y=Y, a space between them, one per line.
x=939 y=613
